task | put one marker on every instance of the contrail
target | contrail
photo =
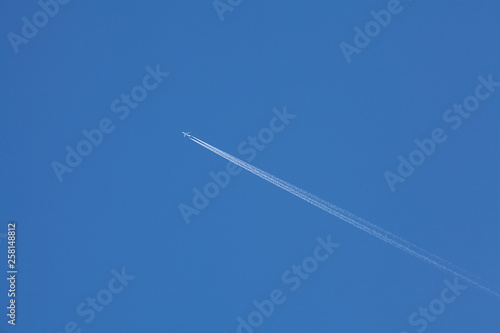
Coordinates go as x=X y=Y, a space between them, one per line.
x=356 y=221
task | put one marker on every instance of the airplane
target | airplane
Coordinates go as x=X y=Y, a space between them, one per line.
x=186 y=134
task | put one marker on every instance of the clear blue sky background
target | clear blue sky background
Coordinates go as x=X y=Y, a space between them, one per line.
x=120 y=206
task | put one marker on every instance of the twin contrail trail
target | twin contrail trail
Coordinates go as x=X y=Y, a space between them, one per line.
x=356 y=221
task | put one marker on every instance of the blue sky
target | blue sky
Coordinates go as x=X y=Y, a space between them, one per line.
x=109 y=226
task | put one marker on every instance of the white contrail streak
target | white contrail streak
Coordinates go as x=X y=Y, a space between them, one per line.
x=356 y=221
